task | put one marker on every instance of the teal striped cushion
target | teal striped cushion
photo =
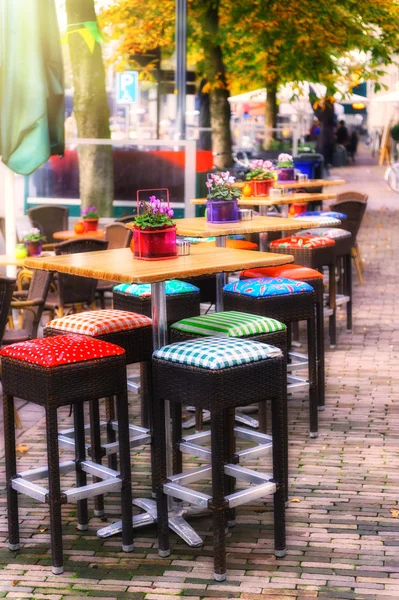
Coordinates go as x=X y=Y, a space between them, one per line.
x=173 y=286
x=215 y=353
x=229 y=324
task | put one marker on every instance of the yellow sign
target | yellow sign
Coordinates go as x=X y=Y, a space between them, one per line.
x=358 y=105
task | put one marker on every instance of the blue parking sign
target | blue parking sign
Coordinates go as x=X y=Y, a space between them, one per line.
x=127 y=87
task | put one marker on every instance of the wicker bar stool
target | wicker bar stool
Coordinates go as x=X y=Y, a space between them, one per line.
x=218 y=375
x=55 y=372
x=315 y=279
x=315 y=253
x=133 y=333
x=343 y=249
x=288 y=301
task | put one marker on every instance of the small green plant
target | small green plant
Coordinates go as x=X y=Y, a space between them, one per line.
x=260 y=170
x=34 y=235
x=284 y=161
x=90 y=212
x=220 y=187
x=154 y=215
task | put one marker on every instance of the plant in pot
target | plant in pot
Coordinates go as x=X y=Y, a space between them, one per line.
x=262 y=176
x=285 y=166
x=222 y=199
x=154 y=232
x=90 y=218
x=33 y=241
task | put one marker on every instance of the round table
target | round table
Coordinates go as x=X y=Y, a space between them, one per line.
x=70 y=234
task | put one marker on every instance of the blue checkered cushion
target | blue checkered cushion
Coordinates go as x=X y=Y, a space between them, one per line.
x=267 y=286
x=144 y=289
x=216 y=353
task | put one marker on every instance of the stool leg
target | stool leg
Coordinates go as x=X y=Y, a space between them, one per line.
x=348 y=270
x=54 y=496
x=177 y=456
x=229 y=457
x=199 y=419
x=279 y=474
x=218 y=504
x=262 y=416
x=145 y=393
x=96 y=451
x=11 y=471
x=80 y=454
x=320 y=351
x=331 y=298
x=159 y=451
x=284 y=400
x=313 y=392
x=111 y=434
x=125 y=470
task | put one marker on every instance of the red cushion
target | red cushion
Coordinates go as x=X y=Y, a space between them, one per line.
x=61 y=350
x=295 y=272
x=302 y=242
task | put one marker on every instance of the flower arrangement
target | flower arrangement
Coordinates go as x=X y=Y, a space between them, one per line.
x=154 y=214
x=33 y=235
x=220 y=187
x=284 y=161
x=260 y=170
x=90 y=212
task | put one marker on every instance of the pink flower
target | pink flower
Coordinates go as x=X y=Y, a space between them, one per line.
x=170 y=212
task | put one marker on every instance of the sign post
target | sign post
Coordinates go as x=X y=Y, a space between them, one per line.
x=127 y=87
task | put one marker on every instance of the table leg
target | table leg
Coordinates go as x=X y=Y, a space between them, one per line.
x=220 y=277
x=263 y=236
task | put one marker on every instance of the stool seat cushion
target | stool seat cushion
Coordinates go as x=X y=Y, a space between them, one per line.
x=229 y=324
x=100 y=322
x=216 y=353
x=290 y=271
x=144 y=289
x=267 y=286
x=61 y=350
x=334 y=234
x=320 y=220
x=324 y=213
x=295 y=241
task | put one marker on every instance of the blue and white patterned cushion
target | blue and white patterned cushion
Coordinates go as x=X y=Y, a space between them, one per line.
x=320 y=220
x=267 y=286
x=144 y=289
x=216 y=353
x=334 y=234
x=324 y=213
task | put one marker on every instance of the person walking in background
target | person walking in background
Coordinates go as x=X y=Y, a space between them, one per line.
x=352 y=145
x=342 y=135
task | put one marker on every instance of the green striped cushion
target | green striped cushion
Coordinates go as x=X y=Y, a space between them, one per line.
x=229 y=324
x=215 y=353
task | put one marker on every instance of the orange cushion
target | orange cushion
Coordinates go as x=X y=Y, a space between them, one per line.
x=302 y=242
x=238 y=244
x=61 y=350
x=295 y=272
x=100 y=322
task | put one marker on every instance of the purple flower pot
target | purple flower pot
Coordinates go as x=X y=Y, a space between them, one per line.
x=286 y=174
x=222 y=211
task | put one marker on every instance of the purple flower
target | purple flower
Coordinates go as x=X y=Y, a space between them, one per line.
x=170 y=212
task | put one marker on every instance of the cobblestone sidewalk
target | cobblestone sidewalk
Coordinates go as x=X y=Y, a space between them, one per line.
x=343 y=515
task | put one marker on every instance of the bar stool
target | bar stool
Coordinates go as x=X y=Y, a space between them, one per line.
x=288 y=301
x=343 y=249
x=55 y=372
x=182 y=299
x=218 y=374
x=133 y=333
x=315 y=279
x=315 y=253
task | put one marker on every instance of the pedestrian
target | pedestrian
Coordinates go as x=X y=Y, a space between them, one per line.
x=342 y=135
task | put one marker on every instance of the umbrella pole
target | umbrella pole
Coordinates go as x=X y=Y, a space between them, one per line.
x=9 y=213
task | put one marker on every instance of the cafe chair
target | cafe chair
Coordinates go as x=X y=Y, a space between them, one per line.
x=117 y=236
x=49 y=219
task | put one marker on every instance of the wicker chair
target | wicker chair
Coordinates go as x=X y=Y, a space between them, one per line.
x=73 y=291
x=126 y=219
x=117 y=236
x=353 y=204
x=49 y=219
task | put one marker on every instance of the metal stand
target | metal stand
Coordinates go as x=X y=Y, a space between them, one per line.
x=220 y=277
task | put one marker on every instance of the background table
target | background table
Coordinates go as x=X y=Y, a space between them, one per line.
x=70 y=234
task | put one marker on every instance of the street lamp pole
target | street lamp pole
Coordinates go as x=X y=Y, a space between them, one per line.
x=181 y=66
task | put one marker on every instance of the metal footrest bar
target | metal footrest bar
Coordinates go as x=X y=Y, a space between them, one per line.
x=134 y=384
x=195 y=450
x=192 y=475
x=296 y=383
x=341 y=299
x=42 y=472
x=193 y=444
x=38 y=492
x=298 y=361
x=252 y=493
x=93 y=489
x=98 y=470
x=184 y=493
x=139 y=437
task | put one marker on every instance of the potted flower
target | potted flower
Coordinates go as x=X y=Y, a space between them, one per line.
x=154 y=232
x=222 y=199
x=285 y=165
x=90 y=218
x=33 y=241
x=262 y=176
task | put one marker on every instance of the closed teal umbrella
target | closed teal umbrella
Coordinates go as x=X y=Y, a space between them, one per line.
x=31 y=84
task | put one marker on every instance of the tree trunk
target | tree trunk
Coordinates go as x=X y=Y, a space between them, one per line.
x=215 y=73
x=270 y=115
x=91 y=110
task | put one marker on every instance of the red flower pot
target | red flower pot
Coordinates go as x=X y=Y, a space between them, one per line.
x=262 y=188
x=33 y=248
x=90 y=224
x=154 y=244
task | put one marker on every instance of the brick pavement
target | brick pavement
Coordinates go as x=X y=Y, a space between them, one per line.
x=342 y=538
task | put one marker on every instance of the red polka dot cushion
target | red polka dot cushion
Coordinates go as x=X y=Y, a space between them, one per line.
x=302 y=242
x=61 y=350
x=100 y=322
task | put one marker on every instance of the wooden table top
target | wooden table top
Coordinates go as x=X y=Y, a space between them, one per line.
x=70 y=234
x=294 y=185
x=120 y=266
x=276 y=200
x=12 y=261
x=199 y=226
